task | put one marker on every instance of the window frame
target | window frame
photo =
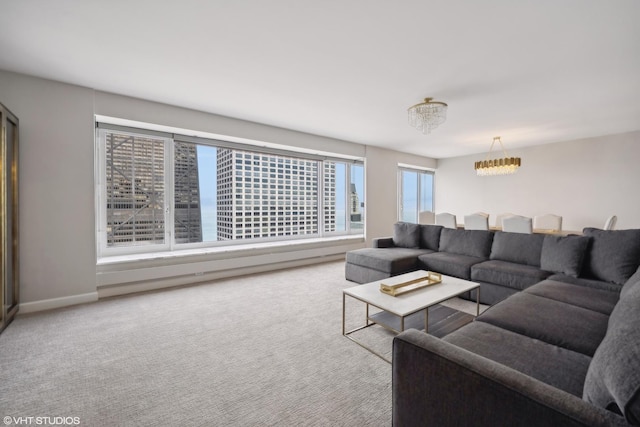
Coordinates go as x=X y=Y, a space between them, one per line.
x=101 y=195
x=170 y=245
x=419 y=171
x=348 y=178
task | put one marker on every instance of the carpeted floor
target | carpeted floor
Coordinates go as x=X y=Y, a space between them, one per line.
x=261 y=350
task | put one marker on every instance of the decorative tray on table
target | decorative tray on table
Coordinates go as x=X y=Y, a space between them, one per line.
x=431 y=278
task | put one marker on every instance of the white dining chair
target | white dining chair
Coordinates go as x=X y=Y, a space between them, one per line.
x=502 y=216
x=446 y=220
x=517 y=224
x=547 y=222
x=426 y=217
x=610 y=224
x=476 y=221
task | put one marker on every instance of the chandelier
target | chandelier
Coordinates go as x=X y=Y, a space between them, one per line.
x=427 y=115
x=504 y=166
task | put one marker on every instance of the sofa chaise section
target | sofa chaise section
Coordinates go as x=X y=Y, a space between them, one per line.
x=391 y=256
x=371 y=264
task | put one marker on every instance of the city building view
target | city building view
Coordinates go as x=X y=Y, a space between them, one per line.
x=261 y=195
x=187 y=208
x=222 y=194
x=135 y=190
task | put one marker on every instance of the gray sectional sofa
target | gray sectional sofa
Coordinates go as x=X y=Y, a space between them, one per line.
x=560 y=346
x=503 y=263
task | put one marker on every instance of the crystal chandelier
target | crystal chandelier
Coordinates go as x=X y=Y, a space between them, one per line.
x=504 y=166
x=428 y=115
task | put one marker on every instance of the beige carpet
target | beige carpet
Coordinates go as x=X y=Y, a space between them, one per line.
x=262 y=350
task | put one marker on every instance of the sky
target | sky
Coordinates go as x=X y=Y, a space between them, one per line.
x=207 y=176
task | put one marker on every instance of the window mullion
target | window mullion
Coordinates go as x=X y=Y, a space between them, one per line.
x=321 y=199
x=101 y=190
x=347 y=194
x=400 y=195
x=418 y=196
x=169 y=196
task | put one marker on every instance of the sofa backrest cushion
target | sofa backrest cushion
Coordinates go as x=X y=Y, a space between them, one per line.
x=517 y=247
x=613 y=377
x=564 y=254
x=406 y=235
x=476 y=243
x=613 y=255
x=430 y=236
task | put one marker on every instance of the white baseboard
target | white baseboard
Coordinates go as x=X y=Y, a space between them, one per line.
x=48 y=304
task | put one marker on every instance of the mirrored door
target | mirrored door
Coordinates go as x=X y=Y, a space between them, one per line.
x=9 y=277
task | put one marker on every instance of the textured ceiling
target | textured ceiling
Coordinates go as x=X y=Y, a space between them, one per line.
x=533 y=72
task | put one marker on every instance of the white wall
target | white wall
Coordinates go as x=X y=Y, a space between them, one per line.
x=57 y=250
x=57 y=218
x=585 y=181
x=382 y=188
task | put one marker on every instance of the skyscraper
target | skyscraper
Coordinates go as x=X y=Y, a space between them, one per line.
x=265 y=195
x=136 y=191
x=355 y=213
x=187 y=209
x=329 y=196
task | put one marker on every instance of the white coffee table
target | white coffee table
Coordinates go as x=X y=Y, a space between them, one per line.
x=404 y=305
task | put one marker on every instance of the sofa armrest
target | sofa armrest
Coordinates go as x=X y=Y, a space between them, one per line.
x=383 y=242
x=436 y=383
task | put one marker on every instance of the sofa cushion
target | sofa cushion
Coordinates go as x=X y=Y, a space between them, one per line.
x=613 y=378
x=563 y=254
x=587 y=283
x=473 y=243
x=406 y=235
x=517 y=247
x=614 y=255
x=554 y=322
x=450 y=264
x=559 y=367
x=509 y=274
x=430 y=236
x=590 y=298
x=388 y=260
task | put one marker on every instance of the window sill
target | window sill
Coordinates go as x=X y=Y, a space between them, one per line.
x=226 y=251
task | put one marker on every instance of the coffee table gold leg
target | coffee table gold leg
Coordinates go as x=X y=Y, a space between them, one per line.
x=366 y=318
x=344 y=297
x=478 y=303
x=426 y=320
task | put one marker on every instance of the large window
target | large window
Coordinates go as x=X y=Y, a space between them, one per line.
x=415 y=194
x=166 y=192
